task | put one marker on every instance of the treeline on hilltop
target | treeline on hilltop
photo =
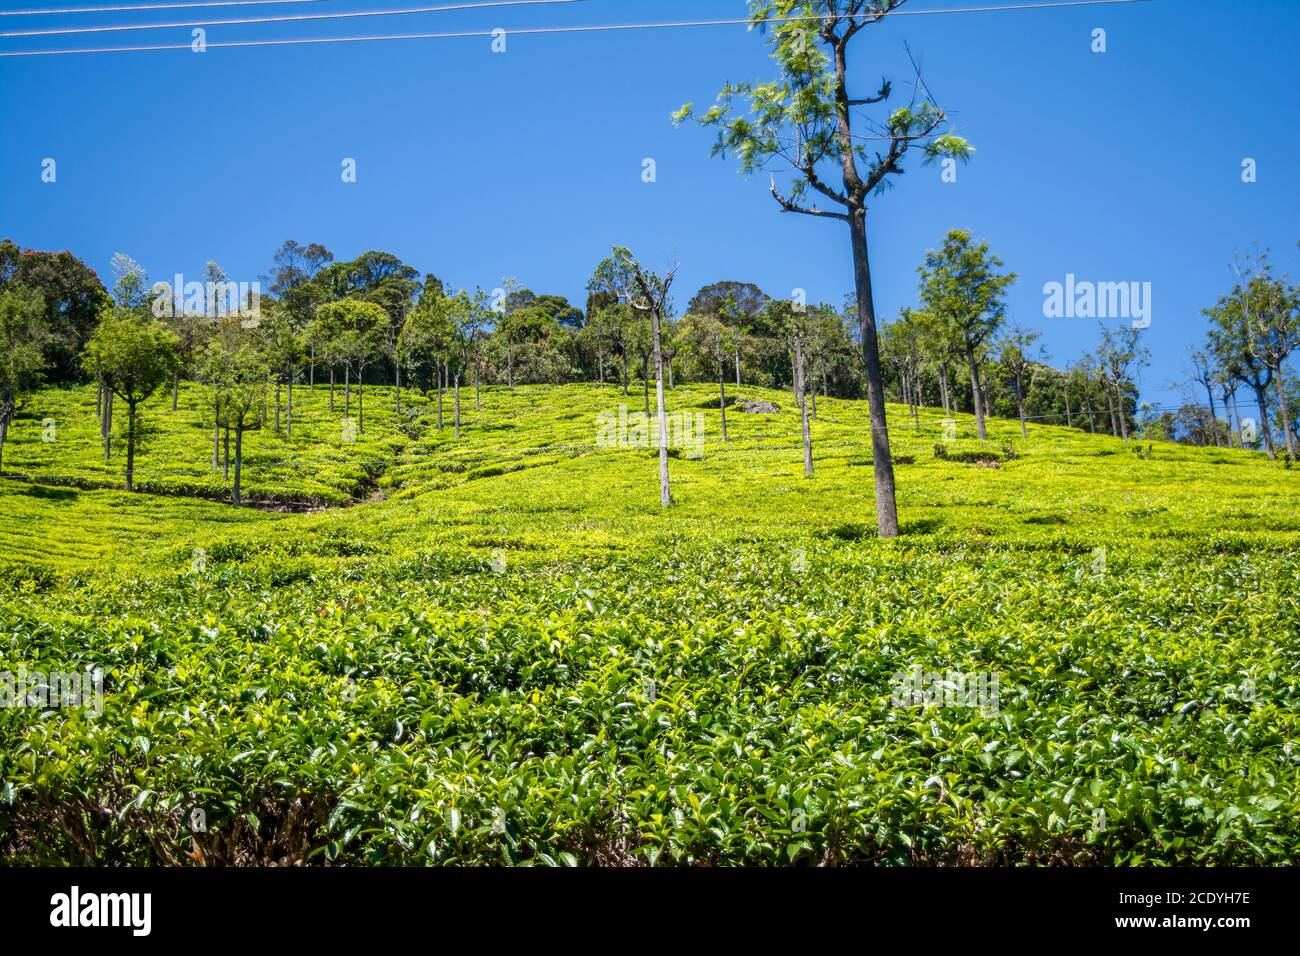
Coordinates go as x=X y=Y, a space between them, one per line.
x=377 y=320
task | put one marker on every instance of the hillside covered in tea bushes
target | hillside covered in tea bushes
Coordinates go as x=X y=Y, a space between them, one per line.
x=419 y=649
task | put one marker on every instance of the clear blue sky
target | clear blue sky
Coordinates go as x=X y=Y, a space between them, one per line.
x=1123 y=166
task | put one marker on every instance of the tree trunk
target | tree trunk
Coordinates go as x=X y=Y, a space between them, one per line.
x=397 y=383
x=1214 y=417
x=1236 y=415
x=216 y=433
x=943 y=388
x=1114 y=421
x=1020 y=405
x=645 y=379
x=977 y=393
x=1123 y=412
x=442 y=377
x=311 y=369
x=624 y=362
x=665 y=493
x=457 y=411
x=1261 y=396
x=361 y=405
x=347 y=391
x=331 y=389
x=176 y=388
x=239 y=463
x=288 y=420
x=108 y=425
x=800 y=388
x=225 y=472
x=883 y=464
x=1229 y=421
x=5 y=414
x=1283 y=411
x=130 y=446
x=722 y=395
x=277 y=405
x=1069 y=419
x=737 y=365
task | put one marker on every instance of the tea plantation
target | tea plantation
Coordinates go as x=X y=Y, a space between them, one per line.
x=499 y=650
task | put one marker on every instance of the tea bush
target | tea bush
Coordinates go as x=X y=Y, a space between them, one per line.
x=516 y=658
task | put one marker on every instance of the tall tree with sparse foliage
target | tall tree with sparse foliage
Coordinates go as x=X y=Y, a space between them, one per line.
x=1120 y=356
x=237 y=370
x=648 y=295
x=962 y=289
x=796 y=323
x=808 y=121
x=1270 y=312
x=1018 y=360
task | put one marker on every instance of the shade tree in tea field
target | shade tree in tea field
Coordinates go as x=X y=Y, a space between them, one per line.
x=132 y=355
x=648 y=295
x=805 y=120
x=963 y=291
x=24 y=333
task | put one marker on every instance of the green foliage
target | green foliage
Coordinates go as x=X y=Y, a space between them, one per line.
x=312 y=468
x=961 y=287
x=516 y=658
x=132 y=355
x=73 y=299
x=351 y=332
x=802 y=119
x=23 y=334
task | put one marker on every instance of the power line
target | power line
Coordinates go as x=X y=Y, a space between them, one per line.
x=148 y=6
x=117 y=27
x=533 y=31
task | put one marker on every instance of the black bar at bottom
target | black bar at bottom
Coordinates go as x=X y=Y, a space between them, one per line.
x=771 y=907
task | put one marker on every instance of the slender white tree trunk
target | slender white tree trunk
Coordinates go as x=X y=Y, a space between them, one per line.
x=802 y=392
x=665 y=493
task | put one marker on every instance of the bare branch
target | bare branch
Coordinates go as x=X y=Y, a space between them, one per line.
x=885 y=88
x=789 y=206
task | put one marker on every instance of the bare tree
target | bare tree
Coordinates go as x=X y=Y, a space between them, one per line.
x=1019 y=364
x=1120 y=355
x=1206 y=373
x=648 y=295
